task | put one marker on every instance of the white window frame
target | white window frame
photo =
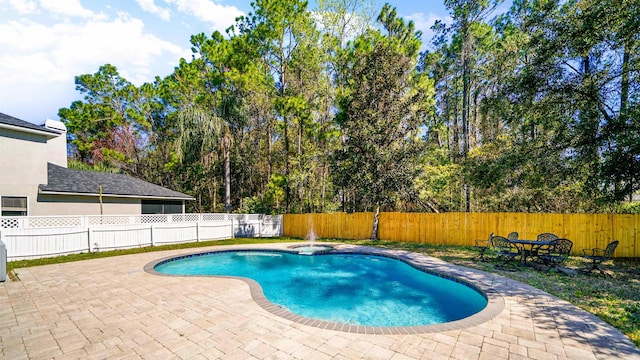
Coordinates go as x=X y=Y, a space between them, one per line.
x=14 y=196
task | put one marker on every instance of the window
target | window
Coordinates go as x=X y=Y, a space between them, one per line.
x=14 y=206
x=161 y=207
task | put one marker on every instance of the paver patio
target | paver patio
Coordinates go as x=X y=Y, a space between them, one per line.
x=111 y=308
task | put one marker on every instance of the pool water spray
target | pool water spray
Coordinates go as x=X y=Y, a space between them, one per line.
x=311 y=247
x=311 y=236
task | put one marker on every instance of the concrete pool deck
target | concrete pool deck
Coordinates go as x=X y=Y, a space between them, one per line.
x=111 y=308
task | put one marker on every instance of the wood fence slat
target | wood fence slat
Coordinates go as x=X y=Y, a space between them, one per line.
x=624 y=227
x=585 y=230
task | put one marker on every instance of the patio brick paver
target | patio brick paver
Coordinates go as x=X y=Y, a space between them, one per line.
x=112 y=308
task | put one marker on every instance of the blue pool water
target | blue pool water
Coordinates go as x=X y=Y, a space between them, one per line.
x=344 y=288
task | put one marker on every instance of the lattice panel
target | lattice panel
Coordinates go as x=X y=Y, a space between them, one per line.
x=177 y=218
x=185 y=217
x=214 y=217
x=154 y=219
x=109 y=220
x=42 y=222
x=191 y=217
x=9 y=223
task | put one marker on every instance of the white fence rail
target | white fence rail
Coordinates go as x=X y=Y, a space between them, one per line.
x=27 y=222
x=46 y=236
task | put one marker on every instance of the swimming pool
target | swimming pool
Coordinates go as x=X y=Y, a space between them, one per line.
x=344 y=288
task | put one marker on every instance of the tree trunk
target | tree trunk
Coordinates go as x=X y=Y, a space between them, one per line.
x=324 y=184
x=227 y=174
x=287 y=190
x=465 y=107
x=624 y=86
x=214 y=195
x=285 y=119
x=621 y=123
x=455 y=149
x=466 y=101
x=300 y=127
x=269 y=151
x=374 y=228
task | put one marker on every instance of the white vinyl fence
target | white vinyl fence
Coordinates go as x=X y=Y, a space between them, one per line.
x=31 y=237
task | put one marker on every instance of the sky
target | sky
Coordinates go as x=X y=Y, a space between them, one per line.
x=44 y=44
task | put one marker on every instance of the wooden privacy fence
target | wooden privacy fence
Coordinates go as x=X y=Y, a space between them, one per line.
x=585 y=230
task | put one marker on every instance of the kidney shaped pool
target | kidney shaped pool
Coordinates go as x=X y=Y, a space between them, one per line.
x=357 y=289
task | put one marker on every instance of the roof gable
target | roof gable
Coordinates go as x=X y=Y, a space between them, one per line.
x=80 y=182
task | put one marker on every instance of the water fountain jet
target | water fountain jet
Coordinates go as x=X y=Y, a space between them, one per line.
x=312 y=248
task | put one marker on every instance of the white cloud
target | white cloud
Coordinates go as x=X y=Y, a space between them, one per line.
x=46 y=43
x=122 y=43
x=425 y=22
x=59 y=52
x=24 y=36
x=71 y=8
x=32 y=67
x=219 y=16
x=64 y=8
x=21 y=6
x=151 y=7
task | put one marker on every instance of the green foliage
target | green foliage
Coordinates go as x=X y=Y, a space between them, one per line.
x=531 y=117
x=299 y=110
x=626 y=208
x=109 y=124
x=383 y=102
x=99 y=167
x=272 y=202
x=438 y=185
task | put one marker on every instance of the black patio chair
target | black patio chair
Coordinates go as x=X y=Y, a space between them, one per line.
x=597 y=256
x=482 y=246
x=557 y=253
x=505 y=250
x=546 y=237
x=541 y=249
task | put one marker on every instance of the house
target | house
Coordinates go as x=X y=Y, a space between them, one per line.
x=35 y=180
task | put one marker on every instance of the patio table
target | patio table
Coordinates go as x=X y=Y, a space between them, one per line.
x=528 y=247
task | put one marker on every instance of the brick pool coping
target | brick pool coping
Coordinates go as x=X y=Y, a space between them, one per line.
x=111 y=308
x=495 y=302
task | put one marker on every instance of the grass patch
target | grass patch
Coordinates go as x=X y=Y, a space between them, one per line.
x=102 y=254
x=615 y=299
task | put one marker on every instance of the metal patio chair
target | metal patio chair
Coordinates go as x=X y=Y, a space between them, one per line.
x=538 y=250
x=597 y=256
x=546 y=237
x=504 y=249
x=482 y=246
x=558 y=252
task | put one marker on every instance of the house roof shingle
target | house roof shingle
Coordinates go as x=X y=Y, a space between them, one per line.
x=10 y=120
x=63 y=180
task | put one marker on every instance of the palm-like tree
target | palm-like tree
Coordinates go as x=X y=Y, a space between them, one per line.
x=208 y=132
